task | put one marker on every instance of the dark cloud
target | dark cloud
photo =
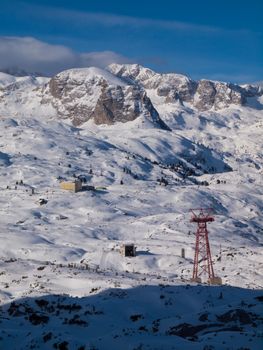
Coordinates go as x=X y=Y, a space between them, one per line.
x=27 y=54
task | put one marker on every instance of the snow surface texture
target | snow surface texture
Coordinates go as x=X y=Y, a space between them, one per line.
x=63 y=282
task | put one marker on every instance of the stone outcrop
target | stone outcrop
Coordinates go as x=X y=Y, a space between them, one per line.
x=217 y=95
x=171 y=86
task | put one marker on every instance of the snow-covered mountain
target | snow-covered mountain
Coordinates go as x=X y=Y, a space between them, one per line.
x=203 y=95
x=148 y=147
x=18 y=72
x=96 y=94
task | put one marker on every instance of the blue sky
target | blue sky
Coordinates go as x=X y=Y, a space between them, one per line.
x=204 y=39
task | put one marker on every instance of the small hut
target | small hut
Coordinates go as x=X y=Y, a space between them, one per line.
x=128 y=250
x=74 y=186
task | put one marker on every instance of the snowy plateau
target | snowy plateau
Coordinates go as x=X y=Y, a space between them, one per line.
x=148 y=148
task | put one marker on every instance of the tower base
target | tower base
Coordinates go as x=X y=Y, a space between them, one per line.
x=215 y=280
x=196 y=280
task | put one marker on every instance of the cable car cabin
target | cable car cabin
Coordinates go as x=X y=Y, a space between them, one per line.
x=128 y=250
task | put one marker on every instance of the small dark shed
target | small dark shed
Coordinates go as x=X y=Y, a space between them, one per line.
x=128 y=250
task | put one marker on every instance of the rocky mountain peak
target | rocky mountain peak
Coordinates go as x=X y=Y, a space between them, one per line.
x=132 y=72
x=202 y=95
x=93 y=93
x=170 y=85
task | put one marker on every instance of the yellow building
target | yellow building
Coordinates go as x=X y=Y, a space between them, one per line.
x=74 y=186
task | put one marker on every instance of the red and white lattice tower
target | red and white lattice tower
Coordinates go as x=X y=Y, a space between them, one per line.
x=202 y=260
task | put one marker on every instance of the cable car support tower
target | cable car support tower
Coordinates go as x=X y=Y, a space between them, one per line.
x=203 y=260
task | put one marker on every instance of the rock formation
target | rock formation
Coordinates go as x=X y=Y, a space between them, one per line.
x=203 y=95
x=93 y=93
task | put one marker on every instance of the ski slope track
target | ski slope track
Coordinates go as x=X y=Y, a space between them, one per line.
x=148 y=147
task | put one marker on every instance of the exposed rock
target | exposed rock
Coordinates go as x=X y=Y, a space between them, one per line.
x=37 y=319
x=118 y=104
x=203 y=95
x=92 y=93
x=218 y=95
x=132 y=72
x=172 y=86
x=186 y=330
x=238 y=315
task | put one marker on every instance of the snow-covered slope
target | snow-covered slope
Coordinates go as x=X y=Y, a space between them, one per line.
x=6 y=79
x=63 y=282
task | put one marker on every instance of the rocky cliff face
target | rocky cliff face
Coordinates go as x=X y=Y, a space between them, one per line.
x=92 y=93
x=203 y=95
x=218 y=95
x=171 y=86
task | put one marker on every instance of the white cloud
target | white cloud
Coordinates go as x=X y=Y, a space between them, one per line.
x=32 y=55
x=87 y=18
x=111 y=20
x=103 y=58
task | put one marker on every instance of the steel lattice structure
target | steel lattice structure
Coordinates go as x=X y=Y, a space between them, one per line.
x=202 y=259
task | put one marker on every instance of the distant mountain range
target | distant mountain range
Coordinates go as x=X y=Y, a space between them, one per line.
x=122 y=93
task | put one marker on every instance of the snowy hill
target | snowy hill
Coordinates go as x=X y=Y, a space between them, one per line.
x=145 y=161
